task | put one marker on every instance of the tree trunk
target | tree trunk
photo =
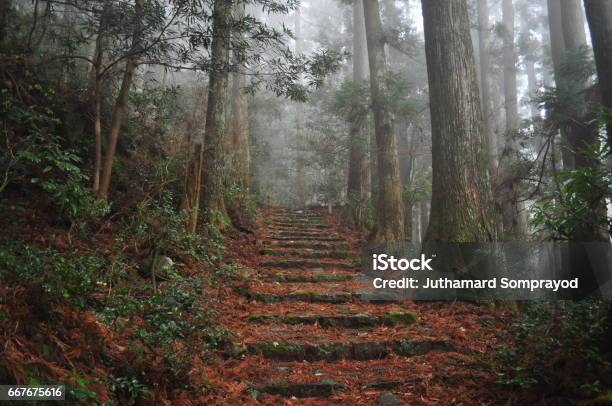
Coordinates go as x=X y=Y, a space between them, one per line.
x=407 y=159
x=509 y=56
x=215 y=129
x=5 y=9
x=573 y=24
x=299 y=162
x=193 y=184
x=532 y=86
x=485 y=81
x=389 y=216
x=557 y=51
x=240 y=125
x=416 y=224
x=424 y=219
x=122 y=100
x=96 y=79
x=509 y=179
x=582 y=134
x=358 y=165
x=97 y=133
x=461 y=203
x=599 y=17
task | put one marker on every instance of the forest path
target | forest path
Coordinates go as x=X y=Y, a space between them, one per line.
x=302 y=330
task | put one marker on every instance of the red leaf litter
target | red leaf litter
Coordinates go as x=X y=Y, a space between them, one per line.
x=460 y=377
x=63 y=343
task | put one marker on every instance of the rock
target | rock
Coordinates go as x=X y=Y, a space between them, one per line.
x=389 y=399
x=163 y=264
x=333 y=351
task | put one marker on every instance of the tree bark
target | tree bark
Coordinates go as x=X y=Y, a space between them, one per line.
x=97 y=81
x=358 y=165
x=508 y=181
x=557 y=51
x=424 y=219
x=240 y=125
x=509 y=56
x=389 y=216
x=582 y=134
x=406 y=157
x=485 y=82
x=122 y=100
x=462 y=202
x=599 y=17
x=193 y=184
x=532 y=86
x=5 y=9
x=299 y=161
x=215 y=129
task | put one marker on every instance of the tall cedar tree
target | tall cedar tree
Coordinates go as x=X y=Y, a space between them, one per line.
x=121 y=102
x=513 y=223
x=485 y=81
x=358 y=165
x=389 y=214
x=557 y=51
x=241 y=161
x=462 y=203
x=599 y=17
x=215 y=129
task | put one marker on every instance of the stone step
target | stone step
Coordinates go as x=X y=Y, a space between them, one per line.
x=313 y=245
x=333 y=351
x=327 y=387
x=304 y=263
x=322 y=238
x=302 y=390
x=299 y=233
x=296 y=216
x=311 y=297
x=309 y=254
x=319 y=277
x=318 y=297
x=341 y=320
x=297 y=224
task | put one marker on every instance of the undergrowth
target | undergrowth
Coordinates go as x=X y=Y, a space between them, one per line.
x=557 y=349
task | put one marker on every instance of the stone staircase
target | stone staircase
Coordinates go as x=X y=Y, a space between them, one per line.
x=309 y=333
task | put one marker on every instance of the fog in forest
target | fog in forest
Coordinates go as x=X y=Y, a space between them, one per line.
x=194 y=195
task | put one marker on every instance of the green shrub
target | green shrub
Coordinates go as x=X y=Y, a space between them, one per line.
x=72 y=278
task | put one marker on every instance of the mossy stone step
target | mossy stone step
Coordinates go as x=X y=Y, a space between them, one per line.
x=302 y=390
x=310 y=297
x=311 y=245
x=391 y=383
x=304 y=263
x=333 y=351
x=298 y=230
x=298 y=233
x=305 y=238
x=319 y=277
x=299 y=224
x=309 y=254
x=295 y=213
x=349 y=320
x=296 y=217
x=316 y=297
